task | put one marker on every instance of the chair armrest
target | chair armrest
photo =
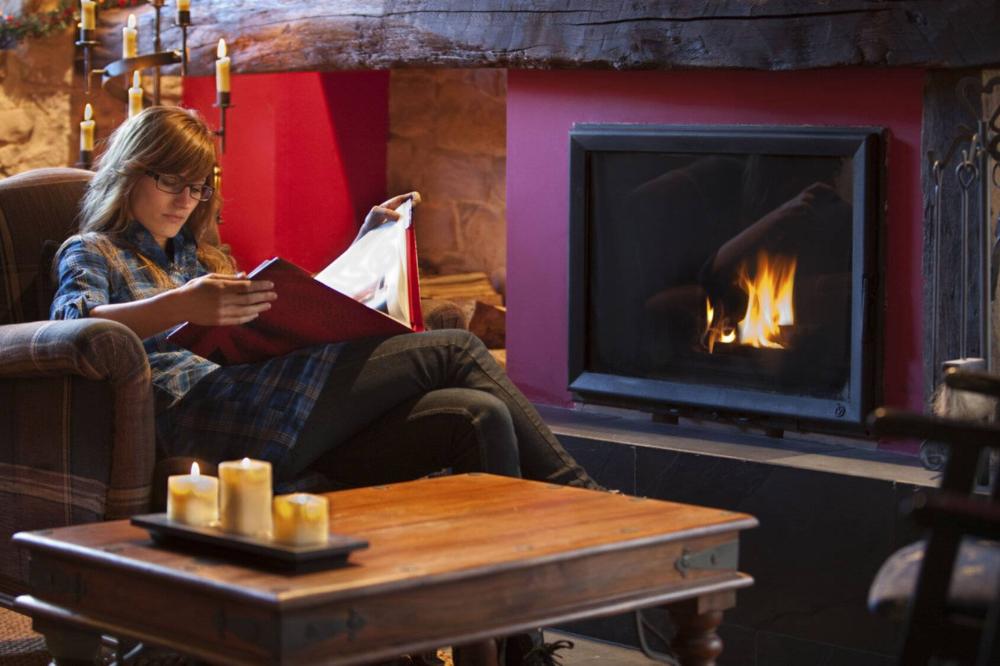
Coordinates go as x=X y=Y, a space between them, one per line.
x=977 y=382
x=966 y=440
x=888 y=422
x=100 y=350
x=969 y=515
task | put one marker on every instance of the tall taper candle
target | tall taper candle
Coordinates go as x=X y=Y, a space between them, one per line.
x=183 y=12
x=222 y=68
x=87 y=130
x=130 y=38
x=87 y=14
x=135 y=96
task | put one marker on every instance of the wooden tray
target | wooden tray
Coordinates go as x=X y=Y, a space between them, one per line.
x=249 y=549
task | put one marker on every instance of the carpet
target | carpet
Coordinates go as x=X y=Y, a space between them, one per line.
x=19 y=645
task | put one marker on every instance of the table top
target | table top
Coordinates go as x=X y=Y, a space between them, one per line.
x=476 y=554
x=430 y=528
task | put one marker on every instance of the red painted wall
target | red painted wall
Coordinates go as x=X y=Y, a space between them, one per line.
x=305 y=159
x=541 y=108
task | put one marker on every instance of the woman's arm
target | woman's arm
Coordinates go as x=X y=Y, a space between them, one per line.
x=210 y=300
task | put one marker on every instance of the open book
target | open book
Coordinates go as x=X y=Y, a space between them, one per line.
x=369 y=290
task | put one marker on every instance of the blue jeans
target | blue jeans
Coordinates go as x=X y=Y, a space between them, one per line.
x=399 y=408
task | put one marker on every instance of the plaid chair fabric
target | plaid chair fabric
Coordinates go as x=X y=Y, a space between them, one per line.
x=76 y=407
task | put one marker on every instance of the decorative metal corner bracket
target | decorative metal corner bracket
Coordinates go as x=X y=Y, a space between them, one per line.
x=724 y=556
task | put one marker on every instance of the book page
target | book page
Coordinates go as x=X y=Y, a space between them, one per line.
x=373 y=269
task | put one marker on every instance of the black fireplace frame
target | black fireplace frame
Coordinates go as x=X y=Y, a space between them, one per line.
x=864 y=146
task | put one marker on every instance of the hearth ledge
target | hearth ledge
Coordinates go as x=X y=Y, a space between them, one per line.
x=793 y=450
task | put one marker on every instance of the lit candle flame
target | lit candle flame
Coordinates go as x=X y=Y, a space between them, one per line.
x=195 y=470
x=220 y=52
x=131 y=21
x=245 y=462
x=136 y=80
x=88 y=112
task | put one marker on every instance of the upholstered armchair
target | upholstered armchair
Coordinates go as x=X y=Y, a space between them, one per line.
x=76 y=407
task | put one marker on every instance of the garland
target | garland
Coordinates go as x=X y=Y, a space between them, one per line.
x=41 y=24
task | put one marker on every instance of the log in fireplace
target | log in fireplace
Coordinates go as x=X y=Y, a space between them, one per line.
x=727 y=270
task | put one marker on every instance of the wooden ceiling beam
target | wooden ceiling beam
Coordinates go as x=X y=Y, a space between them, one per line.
x=283 y=35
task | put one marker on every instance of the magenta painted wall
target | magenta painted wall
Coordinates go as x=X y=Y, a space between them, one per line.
x=541 y=108
x=305 y=159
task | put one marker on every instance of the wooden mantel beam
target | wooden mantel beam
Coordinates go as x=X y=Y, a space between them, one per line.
x=298 y=35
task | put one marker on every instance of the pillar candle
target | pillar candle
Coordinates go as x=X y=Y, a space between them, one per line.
x=130 y=39
x=222 y=68
x=301 y=519
x=87 y=129
x=193 y=499
x=135 y=96
x=245 y=497
x=87 y=14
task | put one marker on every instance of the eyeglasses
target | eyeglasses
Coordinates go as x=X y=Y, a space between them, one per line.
x=174 y=185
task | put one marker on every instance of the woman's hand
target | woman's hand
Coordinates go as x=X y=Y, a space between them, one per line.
x=222 y=300
x=386 y=211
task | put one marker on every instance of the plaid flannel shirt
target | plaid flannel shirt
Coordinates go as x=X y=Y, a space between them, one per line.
x=203 y=410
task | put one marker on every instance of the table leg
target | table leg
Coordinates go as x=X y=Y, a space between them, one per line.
x=696 y=642
x=67 y=645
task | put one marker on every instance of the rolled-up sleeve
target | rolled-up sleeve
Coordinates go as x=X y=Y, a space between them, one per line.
x=82 y=274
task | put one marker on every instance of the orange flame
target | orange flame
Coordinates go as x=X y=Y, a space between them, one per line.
x=769 y=306
x=769 y=301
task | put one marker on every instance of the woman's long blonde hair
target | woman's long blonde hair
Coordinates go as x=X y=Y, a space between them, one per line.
x=162 y=139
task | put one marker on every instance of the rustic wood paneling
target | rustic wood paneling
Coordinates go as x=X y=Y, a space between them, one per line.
x=276 y=35
x=947 y=119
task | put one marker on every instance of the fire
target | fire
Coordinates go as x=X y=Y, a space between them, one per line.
x=769 y=306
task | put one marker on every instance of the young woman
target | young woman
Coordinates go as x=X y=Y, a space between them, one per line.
x=363 y=412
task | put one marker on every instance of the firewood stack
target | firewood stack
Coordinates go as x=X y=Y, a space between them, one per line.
x=479 y=301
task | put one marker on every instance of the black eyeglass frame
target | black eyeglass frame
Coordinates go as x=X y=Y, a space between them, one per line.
x=205 y=192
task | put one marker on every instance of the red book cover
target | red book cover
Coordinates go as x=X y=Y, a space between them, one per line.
x=368 y=291
x=306 y=313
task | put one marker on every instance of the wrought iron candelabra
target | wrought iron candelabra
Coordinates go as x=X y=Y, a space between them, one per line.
x=113 y=73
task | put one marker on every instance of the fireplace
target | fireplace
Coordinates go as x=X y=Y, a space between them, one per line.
x=728 y=270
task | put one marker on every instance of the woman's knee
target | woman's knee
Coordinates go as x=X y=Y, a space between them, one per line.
x=491 y=428
x=456 y=337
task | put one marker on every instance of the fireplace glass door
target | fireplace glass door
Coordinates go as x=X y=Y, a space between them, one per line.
x=725 y=268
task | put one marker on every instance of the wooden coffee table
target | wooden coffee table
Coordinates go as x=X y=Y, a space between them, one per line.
x=451 y=560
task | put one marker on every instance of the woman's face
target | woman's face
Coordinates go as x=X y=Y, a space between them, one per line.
x=161 y=213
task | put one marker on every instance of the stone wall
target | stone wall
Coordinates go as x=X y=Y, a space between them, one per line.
x=448 y=139
x=42 y=99
x=36 y=83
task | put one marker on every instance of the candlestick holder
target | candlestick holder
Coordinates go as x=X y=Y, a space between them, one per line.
x=157 y=47
x=85 y=160
x=222 y=102
x=184 y=22
x=86 y=42
x=217 y=185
